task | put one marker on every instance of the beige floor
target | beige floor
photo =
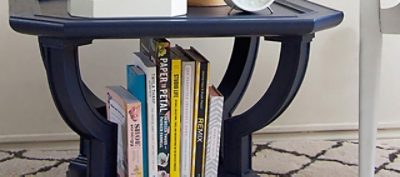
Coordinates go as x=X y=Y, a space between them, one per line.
x=279 y=158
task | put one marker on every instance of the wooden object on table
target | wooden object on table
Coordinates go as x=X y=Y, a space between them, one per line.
x=206 y=3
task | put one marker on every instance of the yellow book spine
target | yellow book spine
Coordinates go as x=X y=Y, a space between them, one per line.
x=195 y=114
x=175 y=117
x=206 y=121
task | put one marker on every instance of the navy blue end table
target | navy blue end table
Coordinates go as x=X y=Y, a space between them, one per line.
x=293 y=24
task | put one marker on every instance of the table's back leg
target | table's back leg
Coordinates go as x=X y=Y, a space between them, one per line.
x=239 y=71
x=237 y=78
x=79 y=108
x=287 y=80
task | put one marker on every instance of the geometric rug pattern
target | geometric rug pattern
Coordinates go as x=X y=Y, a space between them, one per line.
x=298 y=158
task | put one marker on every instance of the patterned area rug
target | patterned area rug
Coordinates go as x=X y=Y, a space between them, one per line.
x=270 y=159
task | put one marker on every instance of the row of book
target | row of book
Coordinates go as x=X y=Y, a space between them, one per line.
x=169 y=117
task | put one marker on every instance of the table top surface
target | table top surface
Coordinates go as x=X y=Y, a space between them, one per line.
x=290 y=17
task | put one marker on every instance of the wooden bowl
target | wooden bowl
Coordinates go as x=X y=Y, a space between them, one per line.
x=200 y=3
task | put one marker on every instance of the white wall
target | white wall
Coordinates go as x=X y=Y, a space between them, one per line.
x=328 y=99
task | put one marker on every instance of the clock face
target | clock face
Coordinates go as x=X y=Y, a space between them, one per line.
x=250 y=5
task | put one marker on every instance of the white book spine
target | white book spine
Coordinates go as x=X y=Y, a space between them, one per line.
x=116 y=114
x=214 y=135
x=187 y=117
x=151 y=96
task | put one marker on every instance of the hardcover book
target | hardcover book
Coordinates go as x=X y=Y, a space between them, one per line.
x=200 y=111
x=149 y=68
x=175 y=113
x=187 y=103
x=214 y=132
x=158 y=50
x=136 y=80
x=124 y=110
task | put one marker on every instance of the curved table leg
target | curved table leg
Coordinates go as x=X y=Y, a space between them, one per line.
x=237 y=76
x=286 y=82
x=79 y=108
x=239 y=71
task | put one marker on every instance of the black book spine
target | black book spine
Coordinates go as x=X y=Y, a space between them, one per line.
x=159 y=52
x=164 y=92
x=201 y=120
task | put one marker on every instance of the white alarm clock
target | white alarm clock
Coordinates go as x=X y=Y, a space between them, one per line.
x=249 y=5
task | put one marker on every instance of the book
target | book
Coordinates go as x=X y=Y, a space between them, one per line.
x=124 y=110
x=158 y=50
x=136 y=81
x=175 y=113
x=187 y=103
x=154 y=48
x=216 y=107
x=200 y=111
x=149 y=68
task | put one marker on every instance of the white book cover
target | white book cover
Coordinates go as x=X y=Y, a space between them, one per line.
x=188 y=71
x=116 y=114
x=216 y=107
x=149 y=68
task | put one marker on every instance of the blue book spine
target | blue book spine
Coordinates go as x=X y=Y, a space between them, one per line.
x=136 y=80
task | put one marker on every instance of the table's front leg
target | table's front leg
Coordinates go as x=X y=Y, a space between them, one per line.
x=287 y=80
x=80 y=109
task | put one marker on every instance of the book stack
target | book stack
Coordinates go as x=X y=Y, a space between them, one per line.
x=169 y=118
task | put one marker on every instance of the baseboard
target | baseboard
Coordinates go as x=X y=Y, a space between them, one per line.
x=50 y=137
x=286 y=132
x=323 y=132
x=324 y=127
x=54 y=141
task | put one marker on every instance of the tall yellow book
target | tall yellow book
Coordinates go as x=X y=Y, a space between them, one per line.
x=175 y=115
